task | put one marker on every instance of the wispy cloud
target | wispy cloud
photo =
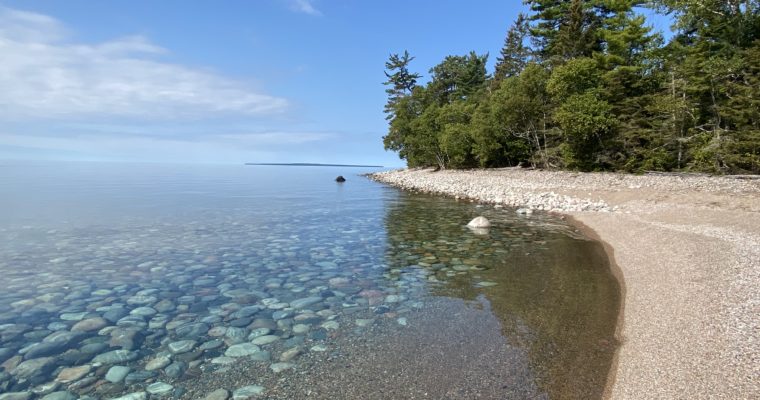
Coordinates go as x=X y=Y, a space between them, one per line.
x=233 y=147
x=45 y=75
x=304 y=6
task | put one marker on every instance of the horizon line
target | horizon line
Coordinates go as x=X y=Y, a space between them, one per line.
x=317 y=165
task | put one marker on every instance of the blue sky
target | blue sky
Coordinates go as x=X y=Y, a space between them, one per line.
x=219 y=82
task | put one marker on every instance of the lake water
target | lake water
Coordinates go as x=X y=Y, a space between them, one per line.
x=161 y=281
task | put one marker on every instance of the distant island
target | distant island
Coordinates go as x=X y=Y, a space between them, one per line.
x=317 y=165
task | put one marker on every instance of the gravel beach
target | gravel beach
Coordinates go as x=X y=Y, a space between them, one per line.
x=687 y=251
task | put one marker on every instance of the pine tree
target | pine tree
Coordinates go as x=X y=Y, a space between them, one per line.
x=564 y=29
x=715 y=36
x=401 y=109
x=577 y=35
x=515 y=54
x=401 y=82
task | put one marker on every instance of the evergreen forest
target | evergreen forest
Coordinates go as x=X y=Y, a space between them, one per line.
x=588 y=85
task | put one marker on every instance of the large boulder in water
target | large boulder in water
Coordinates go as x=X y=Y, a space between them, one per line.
x=479 y=222
x=340 y=178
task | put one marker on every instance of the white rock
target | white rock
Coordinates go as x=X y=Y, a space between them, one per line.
x=479 y=222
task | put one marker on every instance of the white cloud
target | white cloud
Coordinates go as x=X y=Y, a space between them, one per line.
x=304 y=6
x=43 y=75
x=275 y=138
x=235 y=148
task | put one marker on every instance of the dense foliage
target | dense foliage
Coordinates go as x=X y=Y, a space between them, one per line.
x=587 y=85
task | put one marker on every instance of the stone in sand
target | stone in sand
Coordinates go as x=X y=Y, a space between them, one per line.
x=115 y=357
x=133 y=396
x=62 y=395
x=247 y=392
x=89 y=325
x=16 y=396
x=290 y=354
x=68 y=375
x=242 y=350
x=218 y=394
x=159 y=389
x=280 y=366
x=181 y=346
x=117 y=373
x=263 y=340
x=305 y=302
x=33 y=367
x=158 y=363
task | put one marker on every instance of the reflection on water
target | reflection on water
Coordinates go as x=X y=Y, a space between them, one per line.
x=551 y=289
x=175 y=281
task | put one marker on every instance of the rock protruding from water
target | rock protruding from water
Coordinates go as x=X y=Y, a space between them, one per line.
x=340 y=179
x=479 y=226
x=479 y=222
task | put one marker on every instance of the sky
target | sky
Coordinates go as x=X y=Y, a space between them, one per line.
x=220 y=82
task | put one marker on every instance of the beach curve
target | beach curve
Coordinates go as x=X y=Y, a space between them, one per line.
x=688 y=252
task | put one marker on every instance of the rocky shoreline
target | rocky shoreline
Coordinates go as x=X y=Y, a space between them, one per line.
x=688 y=252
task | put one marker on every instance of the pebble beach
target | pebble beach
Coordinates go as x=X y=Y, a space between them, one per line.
x=686 y=250
x=277 y=283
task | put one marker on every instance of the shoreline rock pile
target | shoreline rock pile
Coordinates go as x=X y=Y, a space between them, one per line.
x=554 y=191
x=506 y=193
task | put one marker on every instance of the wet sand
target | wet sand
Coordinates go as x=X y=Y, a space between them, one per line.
x=688 y=251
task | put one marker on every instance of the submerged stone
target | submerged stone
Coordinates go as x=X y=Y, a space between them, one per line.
x=115 y=356
x=16 y=396
x=280 y=366
x=33 y=367
x=68 y=375
x=176 y=369
x=117 y=373
x=158 y=363
x=304 y=302
x=89 y=325
x=264 y=340
x=218 y=394
x=133 y=396
x=242 y=350
x=62 y=395
x=182 y=346
x=247 y=392
x=159 y=389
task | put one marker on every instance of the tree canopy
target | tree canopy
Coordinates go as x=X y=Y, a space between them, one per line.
x=587 y=85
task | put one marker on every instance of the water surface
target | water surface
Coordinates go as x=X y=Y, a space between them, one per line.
x=180 y=280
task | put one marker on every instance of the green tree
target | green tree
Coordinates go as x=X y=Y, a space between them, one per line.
x=564 y=29
x=458 y=77
x=455 y=138
x=575 y=77
x=514 y=54
x=583 y=116
x=401 y=109
x=631 y=66
x=596 y=90
x=586 y=121
x=520 y=110
x=715 y=38
x=400 y=81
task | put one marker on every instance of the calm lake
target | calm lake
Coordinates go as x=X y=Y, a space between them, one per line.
x=165 y=281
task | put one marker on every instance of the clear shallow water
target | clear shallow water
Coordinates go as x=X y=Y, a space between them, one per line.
x=199 y=278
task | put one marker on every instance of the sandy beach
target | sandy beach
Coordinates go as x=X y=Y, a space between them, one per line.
x=686 y=250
